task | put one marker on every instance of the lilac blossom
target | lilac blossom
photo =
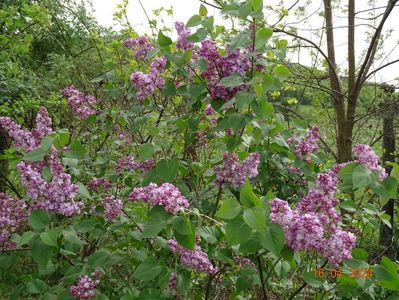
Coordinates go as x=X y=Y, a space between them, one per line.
x=172 y=281
x=141 y=46
x=81 y=104
x=367 y=157
x=97 y=183
x=194 y=259
x=183 y=33
x=235 y=61
x=13 y=213
x=166 y=195
x=85 y=285
x=235 y=172
x=308 y=145
x=113 y=207
x=129 y=163
x=209 y=110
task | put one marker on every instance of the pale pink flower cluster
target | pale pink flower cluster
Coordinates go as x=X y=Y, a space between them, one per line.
x=236 y=172
x=146 y=83
x=314 y=224
x=113 y=207
x=81 y=104
x=194 y=259
x=85 y=285
x=13 y=214
x=166 y=195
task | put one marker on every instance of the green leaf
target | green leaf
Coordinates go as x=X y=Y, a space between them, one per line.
x=387 y=189
x=71 y=236
x=203 y=11
x=163 y=40
x=46 y=143
x=27 y=237
x=243 y=99
x=49 y=237
x=262 y=36
x=229 y=209
x=146 y=151
x=257 y=5
x=35 y=155
x=244 y=9
x=348 y=205
x=247 y=196
x=273 y=239
x=38 y=219
x=232 y=80
x=86 y=225
x=184 y=231
x=194 y=21
x=41 y=253
x=237 y=232
x=359 y=254
x=165 y=170
x=255 y=217
x=47 y=175
x=83 y=190
x=313 y=280
x=362 y=176
x=148 y=269
x=158 y=220
x=77 y=150
x=281 y=72
x=170 y=88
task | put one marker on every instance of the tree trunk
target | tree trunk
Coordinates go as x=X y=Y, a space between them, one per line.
x=388 y=146
x=3 y=163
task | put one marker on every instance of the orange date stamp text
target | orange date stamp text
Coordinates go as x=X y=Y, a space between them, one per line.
x=336 y=273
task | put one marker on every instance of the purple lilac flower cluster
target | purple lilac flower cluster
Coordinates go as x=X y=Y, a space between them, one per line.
x=367 y=157
x=243 y=262
x=194 y=259
x=235 y=61
x=146 y=83
x=313 y=224
x=85 y=285
x=141 y=46
x=113 y=207
x=97 y=183
x=308 y=145
x=26 y=139
x=58 y=194
x=183 y=33
x=209 y=110
x=54 y=196
x=13 y=214
x=166 y=195
x=81 y=104
x=172 y=281
x=128 y=163
x=235 y=172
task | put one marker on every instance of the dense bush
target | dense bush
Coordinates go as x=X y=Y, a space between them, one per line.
x=169 y=183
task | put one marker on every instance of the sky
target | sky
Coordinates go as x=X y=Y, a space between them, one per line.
x=183 y=9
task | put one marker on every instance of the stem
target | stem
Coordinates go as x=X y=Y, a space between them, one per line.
x=219 y=195
x=261 y=278
x=271 y=270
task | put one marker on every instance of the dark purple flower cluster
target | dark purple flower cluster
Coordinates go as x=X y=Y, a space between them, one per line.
x=113 y=207
x=166 y=195
x=81 y=104
x=97 y=183
x=183 y=33
x=172 y=281
x=146 y=83
x=235 y=61
x=141 y=46
x=243 y=262
x=235 y=172
x=13 y=214
x=313 y=224
x=85 y=285
x=308 y=145
x=194 y=259
x=128 y=163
